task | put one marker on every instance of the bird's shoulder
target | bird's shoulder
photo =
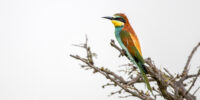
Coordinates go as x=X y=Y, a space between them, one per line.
x=124 y=33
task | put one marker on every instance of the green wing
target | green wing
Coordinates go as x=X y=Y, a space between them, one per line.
x=134 y=55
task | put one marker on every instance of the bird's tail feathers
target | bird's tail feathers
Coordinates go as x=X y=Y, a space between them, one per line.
x=141 y=68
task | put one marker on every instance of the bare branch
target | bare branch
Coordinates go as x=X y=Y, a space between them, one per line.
x=196 y=91
x=193 y=82
x=116 y=92
x=185 y=70
x=125 y=96
x=168 y=72
x=108 y=84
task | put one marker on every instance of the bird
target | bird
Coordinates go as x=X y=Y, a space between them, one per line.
x=129 y=42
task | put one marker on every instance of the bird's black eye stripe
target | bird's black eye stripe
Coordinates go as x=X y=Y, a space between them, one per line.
x=120 y=19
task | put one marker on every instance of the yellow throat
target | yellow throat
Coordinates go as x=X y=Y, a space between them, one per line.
x=117 y=23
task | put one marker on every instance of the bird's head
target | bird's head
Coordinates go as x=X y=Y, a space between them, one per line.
x=118 y=20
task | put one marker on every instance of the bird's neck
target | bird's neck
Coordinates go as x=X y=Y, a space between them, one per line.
x=118 y=29
x=117 y=35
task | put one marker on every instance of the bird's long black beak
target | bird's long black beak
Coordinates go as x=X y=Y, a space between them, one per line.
x=108 y=17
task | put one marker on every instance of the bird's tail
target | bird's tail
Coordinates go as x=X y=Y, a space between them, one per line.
x=143 y=71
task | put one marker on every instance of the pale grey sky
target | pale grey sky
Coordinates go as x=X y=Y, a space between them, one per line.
x=36 y=38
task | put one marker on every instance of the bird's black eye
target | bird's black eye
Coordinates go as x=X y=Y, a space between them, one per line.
x=120 y=19
x=117 y=18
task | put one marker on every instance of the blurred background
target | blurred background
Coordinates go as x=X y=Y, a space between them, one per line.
x=36 y=38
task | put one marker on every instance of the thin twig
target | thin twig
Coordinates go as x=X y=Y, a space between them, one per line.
x=185 y=71
x=168 y=72
x=193 y=82
x=196 y=91
x=116 y=92
x=125 y=96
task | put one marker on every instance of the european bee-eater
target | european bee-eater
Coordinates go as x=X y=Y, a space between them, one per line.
x=128 y=40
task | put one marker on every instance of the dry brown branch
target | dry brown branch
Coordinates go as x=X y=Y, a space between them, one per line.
x=168 y=85
x=196 y=91
x=193 y=82
x=185 y=70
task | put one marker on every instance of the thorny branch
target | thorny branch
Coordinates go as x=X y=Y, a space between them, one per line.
x=167 y=85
